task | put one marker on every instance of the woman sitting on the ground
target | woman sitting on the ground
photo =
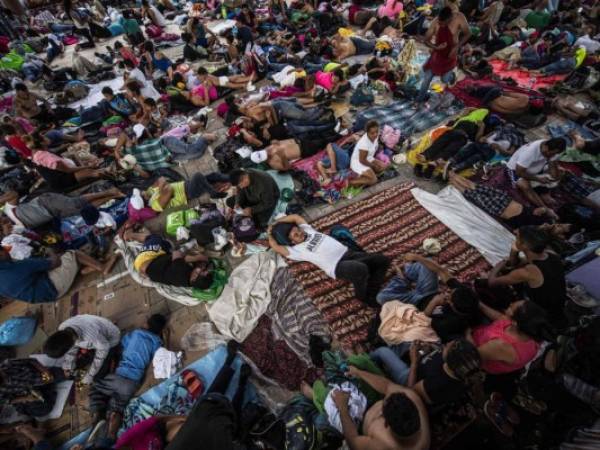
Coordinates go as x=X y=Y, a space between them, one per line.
x=156 y=64
x=513 y=338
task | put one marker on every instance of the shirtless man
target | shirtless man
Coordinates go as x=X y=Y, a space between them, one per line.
x=231 y=81
x=281 y=154
x=459 y=26
x=397 y=422
x=346 y=47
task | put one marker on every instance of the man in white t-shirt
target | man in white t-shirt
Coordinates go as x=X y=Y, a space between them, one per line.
x=363 y=161
x=295 y=239
x=533 y=170
x=147 y=89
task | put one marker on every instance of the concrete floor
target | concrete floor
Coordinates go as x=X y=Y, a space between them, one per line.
x=117 y=297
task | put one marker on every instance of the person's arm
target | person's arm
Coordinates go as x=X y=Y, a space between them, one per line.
x=353 y=438
x=515 y=276
x=554 y=170
x=415 y=359
x=69 y=359
x=377 y=382
x=436 y=301
x=430 y=264
x=101 y=347
x=490 y=313
x=522 y=172
x=293 y=218
x=362 y=157
x=480 y=130
x=195 y=258
x=282 y=250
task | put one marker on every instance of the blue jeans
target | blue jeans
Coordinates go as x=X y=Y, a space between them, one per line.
x=393 y=365
x=61 y=28
x=563 y=65
x=290 y=110
x=447 y=78
x=182 y=151
x=297 y=129
x=53 y=51
x=425 y=284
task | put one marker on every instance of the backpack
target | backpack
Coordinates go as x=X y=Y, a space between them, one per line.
x=244 y=228
x=390 y=137
x=343 y=235
x=209 y=218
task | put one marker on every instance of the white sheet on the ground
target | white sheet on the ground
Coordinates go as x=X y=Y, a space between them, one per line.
x=219 y=27
x=95 y=95
x=469 y=222
x=246 y=295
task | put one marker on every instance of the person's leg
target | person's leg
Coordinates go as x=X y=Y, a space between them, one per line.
x=425 y=280
x=367 y=178
x=193 y=151
x=355 y=272
x=525 y=187
x=378 y=265
x=394 y=367
x=296 y=128
x=99 y=198
x=198 y=185
x=396 y=289
x=225 y=374
x=562 y=66
x=98 y=398
x=439 y=146
x=427 y=77
x=238 y=397
x=87 y=174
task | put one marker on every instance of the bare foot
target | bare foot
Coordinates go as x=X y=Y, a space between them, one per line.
x=306 y=390
x=110 y=263
x=33 y=434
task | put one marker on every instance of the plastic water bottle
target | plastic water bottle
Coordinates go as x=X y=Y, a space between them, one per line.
x=224 y=12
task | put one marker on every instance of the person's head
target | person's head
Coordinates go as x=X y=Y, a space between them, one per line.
x=372 y=130
x=144 y=3
x=8 y=129
x=128 y=64
x=186 y=37
x=90 y=215
x=401 y=415
x=202 y=73
x=148 y=46
x=239 y=178
x=156 y=323
x=553 y=147
x=118 y=45
x=445 y=15
x=201 y=276
x=531 y=320
x=59 y=343
x=21 y=89
x=338 y=75
x=463 y=360
x=287 y=233
x=134 y=88
x=150 y=103
x=108 y=93
x=464 y=301
x=531 y=239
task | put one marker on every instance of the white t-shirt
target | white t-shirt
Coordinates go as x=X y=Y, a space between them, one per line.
x=530 y=157
x=319 y=249
x=147 y=89
x=591 y=45
x=364 y=143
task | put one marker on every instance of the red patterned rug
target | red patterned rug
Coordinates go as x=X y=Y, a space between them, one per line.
x=391 y=222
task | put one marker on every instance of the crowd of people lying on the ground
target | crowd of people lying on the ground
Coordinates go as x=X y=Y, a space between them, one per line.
x=100 y=149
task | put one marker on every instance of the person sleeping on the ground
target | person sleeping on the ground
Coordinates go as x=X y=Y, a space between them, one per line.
x=155 y=63
x=513 y=338
x=231 y=81
x=118 y=103
x=50 y=206
x=469 y=128
x=501 y=205
x=257 y=195
x=293 y=238
x=440 y=374
x=28 y=386
x=85 y=332
x=337 y=160
x=344 y=47
x=540 y=273
x=398 y=421
x=508 y=103
x=417 y=281
x=109 y=395
x=158 y=262
x=164 y=195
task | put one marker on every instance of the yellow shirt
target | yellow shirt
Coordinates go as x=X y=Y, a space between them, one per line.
x=178 y=199
x=144 y=257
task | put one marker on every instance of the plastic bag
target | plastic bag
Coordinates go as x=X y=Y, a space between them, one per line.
x=200 y=337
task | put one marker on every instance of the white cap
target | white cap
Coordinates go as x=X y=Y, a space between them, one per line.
x=136 y=199
x=128 y=162
x=138 y=129
x=432 y=246
x=259 y=156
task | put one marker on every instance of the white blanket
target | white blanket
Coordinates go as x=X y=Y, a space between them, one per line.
x=246 y=296
x=470 y=223
x=129 y=251
x=95 y=95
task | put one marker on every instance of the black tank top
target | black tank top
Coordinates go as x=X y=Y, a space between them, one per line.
x=552 y=293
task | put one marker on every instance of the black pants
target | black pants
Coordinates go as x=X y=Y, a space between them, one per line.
x=212 y=423
x=87 y=34
x=592 y=147
x=446 y=146
x=198 y=185
x=366 y=271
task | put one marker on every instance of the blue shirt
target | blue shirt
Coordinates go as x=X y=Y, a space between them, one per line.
x=27 y=280
x=139 y=347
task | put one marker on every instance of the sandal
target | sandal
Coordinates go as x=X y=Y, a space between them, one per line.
x=192 y=383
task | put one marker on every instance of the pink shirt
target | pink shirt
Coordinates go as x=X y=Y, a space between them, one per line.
x=50 y=160
x=324 y=79
x=143 y=435
x=391 y=9
x=198 y=91
x=525 y=350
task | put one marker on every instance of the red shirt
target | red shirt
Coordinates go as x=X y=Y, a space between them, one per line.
x=19 y=146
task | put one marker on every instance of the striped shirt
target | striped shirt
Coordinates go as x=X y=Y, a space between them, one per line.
x=93 y=333
x=151 y=155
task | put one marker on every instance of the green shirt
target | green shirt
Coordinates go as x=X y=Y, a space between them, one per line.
x=130 y=26
x=179 y=197
x=475 y=116
x=151 y=155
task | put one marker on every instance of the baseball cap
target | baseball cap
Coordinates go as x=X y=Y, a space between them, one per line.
x=138 y=129
x=259 y=156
